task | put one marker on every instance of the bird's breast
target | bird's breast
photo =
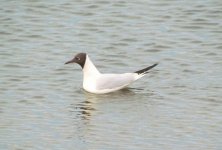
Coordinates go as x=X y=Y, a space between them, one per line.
x=89 y=83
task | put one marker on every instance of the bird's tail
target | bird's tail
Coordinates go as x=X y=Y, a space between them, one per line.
x=142 y=72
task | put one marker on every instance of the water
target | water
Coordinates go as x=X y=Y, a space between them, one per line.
x=177 y=106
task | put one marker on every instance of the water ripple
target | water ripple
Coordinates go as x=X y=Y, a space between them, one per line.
x=176 y=106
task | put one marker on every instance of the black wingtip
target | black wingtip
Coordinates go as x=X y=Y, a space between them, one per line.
x=146 y=69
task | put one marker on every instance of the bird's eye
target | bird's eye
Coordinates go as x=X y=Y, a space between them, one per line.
x=77 y=58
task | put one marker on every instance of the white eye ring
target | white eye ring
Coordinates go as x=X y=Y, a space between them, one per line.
x=77 y=58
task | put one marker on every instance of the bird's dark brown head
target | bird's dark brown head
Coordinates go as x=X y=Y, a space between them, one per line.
x=79 y=59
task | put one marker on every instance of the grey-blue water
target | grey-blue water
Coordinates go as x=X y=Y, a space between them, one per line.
x=177 y=106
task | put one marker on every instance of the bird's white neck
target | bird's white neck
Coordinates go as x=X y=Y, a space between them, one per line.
x=89 y=68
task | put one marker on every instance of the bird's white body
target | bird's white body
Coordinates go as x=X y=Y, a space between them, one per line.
x=96 y=82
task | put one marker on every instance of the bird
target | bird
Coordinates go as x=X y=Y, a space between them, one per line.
x=99 y=83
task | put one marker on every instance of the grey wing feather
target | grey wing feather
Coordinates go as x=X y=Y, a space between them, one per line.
x=112 y=81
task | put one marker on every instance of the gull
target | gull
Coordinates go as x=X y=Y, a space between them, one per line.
x=99 y=83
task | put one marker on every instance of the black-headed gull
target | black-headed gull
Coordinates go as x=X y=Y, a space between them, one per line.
x=98 y=83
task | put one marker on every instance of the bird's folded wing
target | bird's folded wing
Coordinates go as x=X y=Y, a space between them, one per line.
x=113 y=81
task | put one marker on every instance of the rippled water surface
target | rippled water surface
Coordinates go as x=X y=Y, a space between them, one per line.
x=177 y=106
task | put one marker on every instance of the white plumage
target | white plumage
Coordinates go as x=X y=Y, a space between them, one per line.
x=98 y=83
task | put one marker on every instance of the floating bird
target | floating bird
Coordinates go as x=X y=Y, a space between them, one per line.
x=98 y=83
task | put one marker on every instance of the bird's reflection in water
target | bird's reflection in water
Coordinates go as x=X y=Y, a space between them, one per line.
x=91 y=105
x=88 y=106
x=85 y=109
